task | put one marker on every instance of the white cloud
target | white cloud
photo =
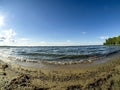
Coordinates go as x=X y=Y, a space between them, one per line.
x=24 y=39
x=2 y=21
x=22 y=42
x=83 y=33
x=7 y=36
x=43 y=43
x=104 y=37
x=68 y=41
x=64 y=43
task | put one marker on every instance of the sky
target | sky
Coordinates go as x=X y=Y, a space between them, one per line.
x=58 y=22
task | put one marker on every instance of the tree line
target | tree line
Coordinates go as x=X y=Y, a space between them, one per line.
x=113 y=41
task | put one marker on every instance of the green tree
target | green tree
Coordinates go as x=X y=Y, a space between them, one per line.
x=112 y=41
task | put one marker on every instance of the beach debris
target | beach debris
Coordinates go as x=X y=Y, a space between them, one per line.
x=3 y=73
x=4 y=66
x=89 y=61
x=22 y=80
x=99 y=81
x=74 y=87
x=39 y=88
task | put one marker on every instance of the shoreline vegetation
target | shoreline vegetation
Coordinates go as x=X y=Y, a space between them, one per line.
x=103 y=76
x=113 y=41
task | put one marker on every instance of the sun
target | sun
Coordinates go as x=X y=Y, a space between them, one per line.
x=2 y=20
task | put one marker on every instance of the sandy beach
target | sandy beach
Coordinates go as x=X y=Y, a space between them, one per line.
x=59 y=45
x=103 y=76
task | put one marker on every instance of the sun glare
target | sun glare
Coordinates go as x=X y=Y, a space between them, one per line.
x=1 y=20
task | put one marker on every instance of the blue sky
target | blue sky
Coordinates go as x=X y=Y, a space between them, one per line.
x=58 y=22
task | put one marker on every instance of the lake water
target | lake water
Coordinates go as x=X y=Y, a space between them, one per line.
x=56 y=53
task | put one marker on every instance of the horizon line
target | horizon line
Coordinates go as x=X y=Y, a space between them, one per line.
x=44 y=45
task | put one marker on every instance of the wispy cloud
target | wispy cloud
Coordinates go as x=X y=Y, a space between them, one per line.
x=7 y=36
x=2 y=23
x=68 y=41
x=64 y=43
x=23 y=42
x=104 y=37
x=24 y=39
x=83 y=33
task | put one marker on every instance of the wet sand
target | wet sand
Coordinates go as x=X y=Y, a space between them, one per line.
x=87 y=76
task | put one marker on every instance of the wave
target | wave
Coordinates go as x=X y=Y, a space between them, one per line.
x=80 y=56
x=114 y=52
x=55 y=57
x=40 y=54
x=65 y=56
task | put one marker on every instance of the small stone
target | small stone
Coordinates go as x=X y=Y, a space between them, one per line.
x=89 y=61
x=4 y=73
